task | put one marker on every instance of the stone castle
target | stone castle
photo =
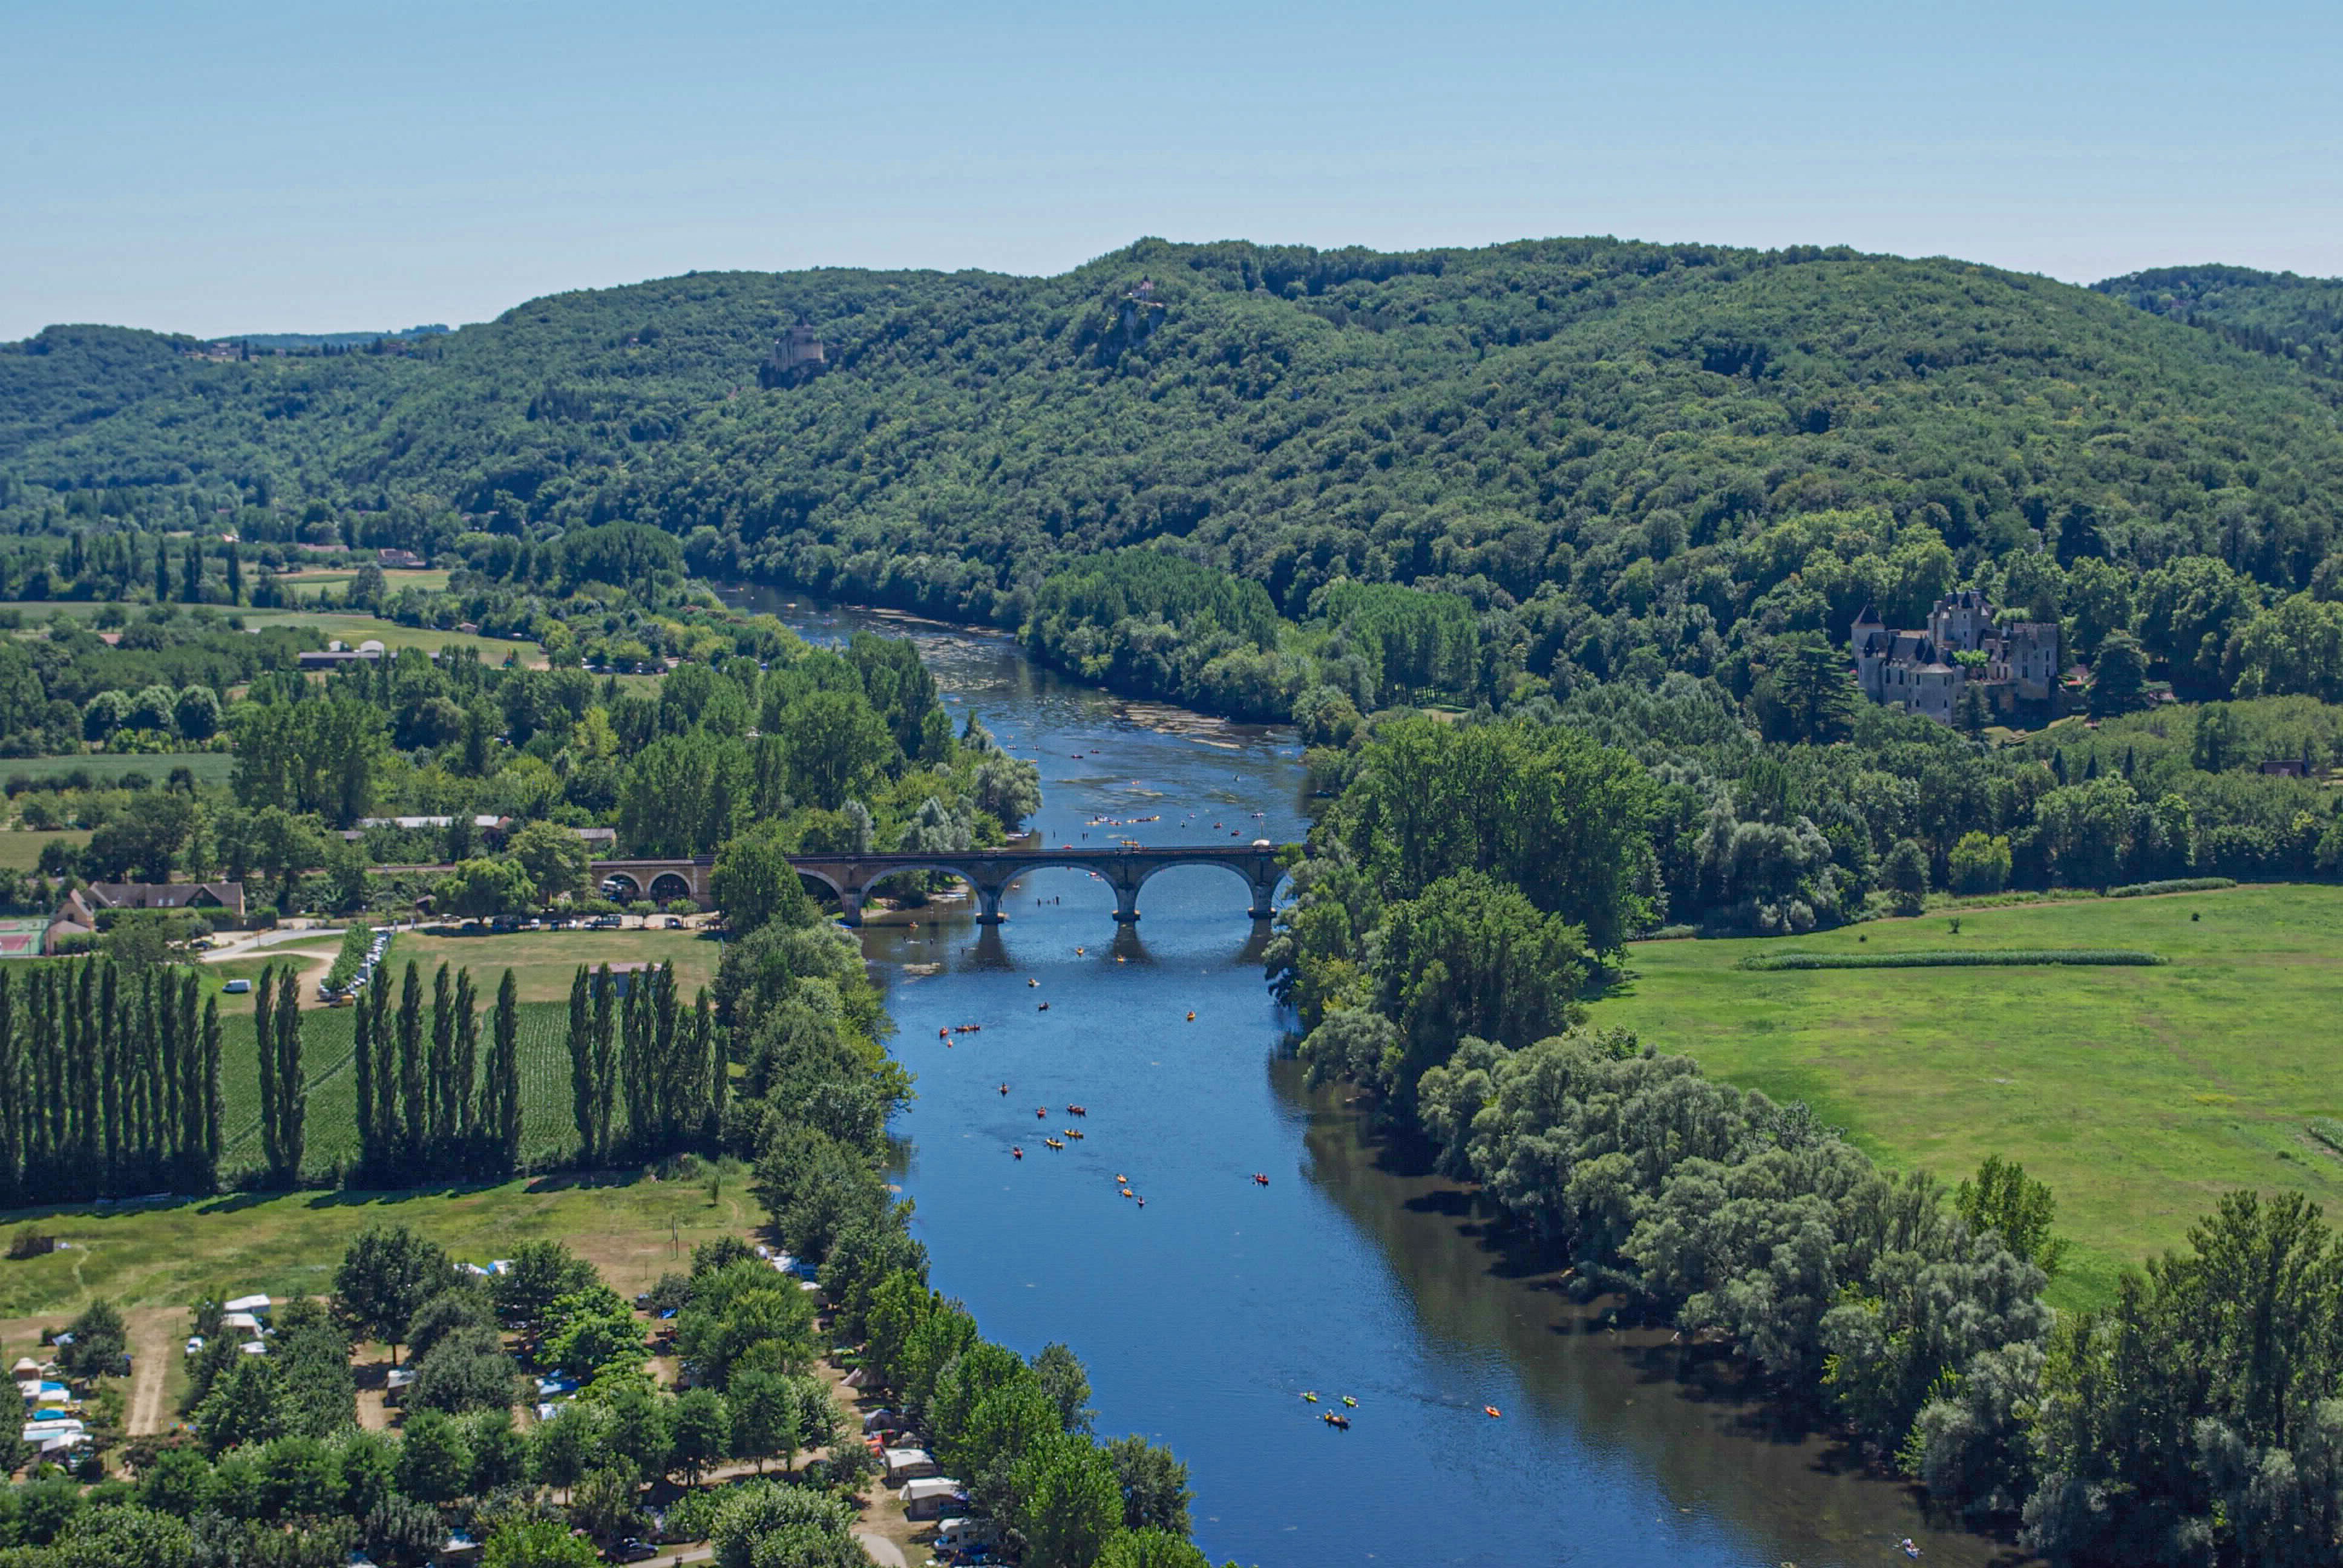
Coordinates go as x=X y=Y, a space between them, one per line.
x=1921 y=671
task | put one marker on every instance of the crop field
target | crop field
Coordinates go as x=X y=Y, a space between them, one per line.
x=2139 y=1094
x=22 y=852
x=105 y=768
x=330 y=1125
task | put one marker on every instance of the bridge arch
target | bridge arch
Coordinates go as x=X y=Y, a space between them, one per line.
x=669 y=886
x=629 y=889
x=1263 y=891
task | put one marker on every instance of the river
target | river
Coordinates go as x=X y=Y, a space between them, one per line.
x=1206 y=1314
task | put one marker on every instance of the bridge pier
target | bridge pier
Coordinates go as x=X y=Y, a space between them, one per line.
x=849 y=907
x=1264 y=895
x=1126 y=906
x=988 y=905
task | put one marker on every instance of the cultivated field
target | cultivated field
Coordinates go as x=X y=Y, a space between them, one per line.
x=105 y=768
x=2139 y=1094
x=542 y=964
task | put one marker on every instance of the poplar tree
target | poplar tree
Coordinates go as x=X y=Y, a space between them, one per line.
x=605 y=1054
x=442 y=1120
x=581 y=1066
x=465 y=1067
x=504 y=1079
x=84 y=1068
x=11 y=1150
x=362 y=1077
x=109 y=1072
x=386 y=1075
x=634 y=1028
x=415 y=1117
x=292 y=1093
x=719 y=1070
x=666 y=1083
x=264 y=1034
x=211 y=1093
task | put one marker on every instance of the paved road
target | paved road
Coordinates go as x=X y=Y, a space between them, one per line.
x=883 y=1552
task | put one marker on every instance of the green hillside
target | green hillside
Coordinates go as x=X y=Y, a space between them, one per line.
x=2292 y=317
x=1599 y=441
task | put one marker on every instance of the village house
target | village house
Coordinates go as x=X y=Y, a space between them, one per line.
x=2015 y=664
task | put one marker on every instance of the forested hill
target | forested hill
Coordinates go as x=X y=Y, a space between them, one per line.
x=2278 y=313
x=1619 y=423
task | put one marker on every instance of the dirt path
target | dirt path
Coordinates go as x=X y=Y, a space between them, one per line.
x=153 y=1340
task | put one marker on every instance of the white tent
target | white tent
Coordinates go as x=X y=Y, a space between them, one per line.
x=246 y=1304
x=240 y=1321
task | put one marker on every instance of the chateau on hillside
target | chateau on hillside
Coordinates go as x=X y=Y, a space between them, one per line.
x=1923 y=671
x=797 y=357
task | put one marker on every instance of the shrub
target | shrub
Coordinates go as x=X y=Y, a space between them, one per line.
x=2326 y=1129
x=2172 y=885
x=1939 y=958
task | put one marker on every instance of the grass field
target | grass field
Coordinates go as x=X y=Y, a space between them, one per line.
x=104 y=767
x=543 y=962
x=22 y=852
x=167 y=1255
x=2140 y=1095
x=354 y=629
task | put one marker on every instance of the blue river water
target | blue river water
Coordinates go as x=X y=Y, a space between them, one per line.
x=1207 y=1313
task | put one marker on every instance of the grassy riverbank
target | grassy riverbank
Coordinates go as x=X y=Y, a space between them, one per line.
x=2140 y=1094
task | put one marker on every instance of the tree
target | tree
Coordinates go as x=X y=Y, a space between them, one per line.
x=196 y=712
x=1905 y=874
x=500 y=1111
x=1151 y=1549
x=554 y=858
x=537 y=1543
x=835 y=743
x=1806 y=694
x=573 y=1444
x=466 y=1369
x=756 y=1520
x=1067 y=1502
x=2119 y=678
x=435 y=1458
x=2003 y=1199
x=1980 y=863
x=754 y=882
x=1155 y=1493
x=385 y=1275
x=485 y=886
x=291 y=1084
x=764 y=1416
x=99 y=1342
x=702 y=1434
x=1068 y=1385
x=604 y=1501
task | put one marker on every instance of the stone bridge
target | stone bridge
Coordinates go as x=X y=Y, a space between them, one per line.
x=989 y=872
x=661 y=881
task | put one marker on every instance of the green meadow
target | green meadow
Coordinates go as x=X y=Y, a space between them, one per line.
x=2140 y=1095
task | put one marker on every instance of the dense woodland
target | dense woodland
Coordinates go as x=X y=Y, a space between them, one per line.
x=1436 y=954
x=1620 y=457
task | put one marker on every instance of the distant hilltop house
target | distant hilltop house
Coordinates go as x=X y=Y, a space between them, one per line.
x=1923 y=670
x=798 y=356
x=398 y=560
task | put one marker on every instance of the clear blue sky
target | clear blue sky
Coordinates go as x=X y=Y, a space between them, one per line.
x=220 y=167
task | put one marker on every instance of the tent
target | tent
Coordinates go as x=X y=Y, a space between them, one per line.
x=246 y=1304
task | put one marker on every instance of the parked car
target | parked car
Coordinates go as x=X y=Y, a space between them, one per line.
x=237 y=987
x=675 y=922
x=632 y=1551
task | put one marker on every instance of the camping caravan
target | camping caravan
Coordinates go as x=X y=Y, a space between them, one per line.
x=908 y=1464
x=928 y=1498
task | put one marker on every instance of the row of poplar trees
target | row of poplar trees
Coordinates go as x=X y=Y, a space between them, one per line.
x=631 y=1044
x=109 y=1085
x=428 y=1107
